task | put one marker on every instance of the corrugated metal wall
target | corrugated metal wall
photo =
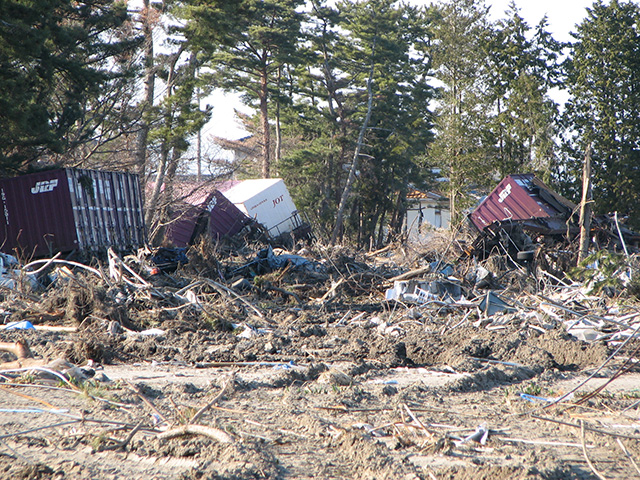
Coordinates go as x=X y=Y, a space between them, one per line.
x=36 y=218
x=71 y=209
x=225 y=218
x=107 y=209
x=217 y=216
x=517 y=197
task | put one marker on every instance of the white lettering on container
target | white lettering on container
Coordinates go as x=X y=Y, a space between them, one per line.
x=4 y=205
x=504 y=193
x=44 y=186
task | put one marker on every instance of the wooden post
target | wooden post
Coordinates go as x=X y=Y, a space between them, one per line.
x=585 y=207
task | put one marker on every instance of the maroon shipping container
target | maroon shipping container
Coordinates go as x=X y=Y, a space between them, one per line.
x=521 y=197
x=70 y=209
x=206 y=212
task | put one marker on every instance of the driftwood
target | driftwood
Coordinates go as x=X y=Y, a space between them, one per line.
x=331 y=293
x=226 y=290
x=628 y=455
x=412 y=274
x=36 y=367
x=418 y=422
x=118 y=445
x=586 y=456
x=585 y=207
x=269 y=286
x=28 y=397
x=582 y=426
x=215 y=399
x=56 y=328
x=190 y=429
x=148 y=402
x=20 y=349
x=59 y=367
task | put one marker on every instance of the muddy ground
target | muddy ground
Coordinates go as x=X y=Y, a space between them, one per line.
x=302 y=384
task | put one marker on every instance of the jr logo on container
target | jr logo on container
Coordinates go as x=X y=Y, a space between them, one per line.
x=502 y=196
x=44 y=186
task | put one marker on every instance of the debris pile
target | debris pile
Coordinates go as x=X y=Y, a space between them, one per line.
x=362 y=359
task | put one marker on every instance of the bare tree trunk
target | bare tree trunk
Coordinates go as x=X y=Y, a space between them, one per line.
x=199 y=155
x=152 y=204
x=452 y=203
x=354 y=165
x=149 y=87
x=336 y=109
x=165 y=198
x=455 y=169
x=278 y=149
x=397 y=216
x=381 y=232
x=161 y=172
x=585 y=207
x=264 y=120
x=370 y=223
x=199 y=136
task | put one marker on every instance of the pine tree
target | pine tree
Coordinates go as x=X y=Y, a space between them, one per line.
x=316 y=122
x=400 y=126
x=464 y=147
x=54 y=57
x=361 y=114
x=523 y=68
x=264 y=37
x=604 y=83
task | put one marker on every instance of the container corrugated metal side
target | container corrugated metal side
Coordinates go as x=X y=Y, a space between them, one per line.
x=181 y=229
x=225 y=219
x=107 y=209
x=37 y=219
x=511 y=200
x=217 y=216
x=71 y=209
x=268 y=202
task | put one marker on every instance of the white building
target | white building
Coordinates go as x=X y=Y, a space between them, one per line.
x=425 y=211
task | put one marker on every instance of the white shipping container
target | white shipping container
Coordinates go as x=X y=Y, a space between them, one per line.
x=268 y=202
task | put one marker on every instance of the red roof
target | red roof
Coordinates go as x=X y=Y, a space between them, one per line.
x=421 y=195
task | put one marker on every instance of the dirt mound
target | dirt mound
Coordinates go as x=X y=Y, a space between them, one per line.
x=312 y=374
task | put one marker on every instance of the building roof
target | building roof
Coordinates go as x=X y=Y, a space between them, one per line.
x=415 y=194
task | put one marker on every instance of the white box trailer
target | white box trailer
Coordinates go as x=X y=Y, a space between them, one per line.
x=268 y=202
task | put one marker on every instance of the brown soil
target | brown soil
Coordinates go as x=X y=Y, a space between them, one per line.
x=328 y=390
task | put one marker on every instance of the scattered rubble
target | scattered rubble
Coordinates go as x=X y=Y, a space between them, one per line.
x=255 y=362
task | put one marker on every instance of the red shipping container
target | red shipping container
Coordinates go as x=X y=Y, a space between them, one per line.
x=70 y=209
x=207 y=212
x=520 y=197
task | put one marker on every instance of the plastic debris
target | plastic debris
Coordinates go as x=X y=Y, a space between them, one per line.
x=492 y=304
x=20 y=325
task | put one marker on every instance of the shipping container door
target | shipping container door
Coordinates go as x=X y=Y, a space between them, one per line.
x=37 y=217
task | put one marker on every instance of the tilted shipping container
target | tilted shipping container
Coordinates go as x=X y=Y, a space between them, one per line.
x=268 y=202
x=208 y=214
x=522 y=197
x=70 y=209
